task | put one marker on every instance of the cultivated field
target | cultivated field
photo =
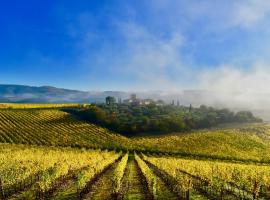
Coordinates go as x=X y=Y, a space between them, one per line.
x=41 y=105
x=46 y=153
x=53 y=127
x=29 y=172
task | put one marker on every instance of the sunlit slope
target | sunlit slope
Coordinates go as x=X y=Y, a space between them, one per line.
x=251 y=143
x=40 y=105
x=53 y=127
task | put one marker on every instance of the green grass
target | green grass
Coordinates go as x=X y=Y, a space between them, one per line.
x=132 y=181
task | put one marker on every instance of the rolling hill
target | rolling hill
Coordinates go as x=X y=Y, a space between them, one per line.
x=53 y=127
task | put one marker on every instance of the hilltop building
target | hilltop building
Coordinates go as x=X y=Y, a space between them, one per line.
x=134 y=101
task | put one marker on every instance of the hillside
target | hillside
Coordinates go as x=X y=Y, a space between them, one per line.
x=250 y=143
x=38 y=105
x=153 y=119
x=52 y=127
x=47 y=153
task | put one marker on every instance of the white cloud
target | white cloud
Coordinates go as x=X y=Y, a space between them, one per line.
x=235 y=79
x=234 y=87
x=217 y=15
x=147 y=57
x=156 y=61
x=249 y=12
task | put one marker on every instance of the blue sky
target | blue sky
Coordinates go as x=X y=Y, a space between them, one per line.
x=135 y=45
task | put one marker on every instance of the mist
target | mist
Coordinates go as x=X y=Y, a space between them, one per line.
x=238 y=88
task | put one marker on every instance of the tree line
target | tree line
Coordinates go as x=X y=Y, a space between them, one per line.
x=130 y=120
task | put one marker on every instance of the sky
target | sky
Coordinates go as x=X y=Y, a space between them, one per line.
x=141 y=45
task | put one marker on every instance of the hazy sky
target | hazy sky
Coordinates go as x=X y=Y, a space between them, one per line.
x=136 y=44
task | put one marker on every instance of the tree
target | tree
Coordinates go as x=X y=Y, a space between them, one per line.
x=94 y=114
x=119 y=100
x=212 y=118
x=203 y=108
x=110 y=100
x=190 y=108
x=244 y=116
x=128 y=119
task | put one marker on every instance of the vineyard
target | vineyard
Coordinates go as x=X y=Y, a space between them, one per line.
x=27 y=106
x=213 y=179
x=30 y=172
x=241 y=144
x=53 y=127
x=46 y=153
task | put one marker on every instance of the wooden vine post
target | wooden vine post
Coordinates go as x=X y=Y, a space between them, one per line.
x=2 y=195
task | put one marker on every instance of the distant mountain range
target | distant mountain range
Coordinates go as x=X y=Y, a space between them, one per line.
x=49 y=94
x=44 y=94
